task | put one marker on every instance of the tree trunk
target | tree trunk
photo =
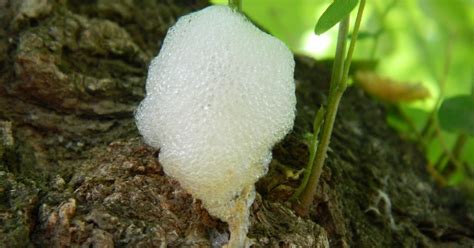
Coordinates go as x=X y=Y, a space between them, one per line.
x=74 y=171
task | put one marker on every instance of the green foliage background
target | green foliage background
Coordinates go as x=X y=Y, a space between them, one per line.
x=427 y=41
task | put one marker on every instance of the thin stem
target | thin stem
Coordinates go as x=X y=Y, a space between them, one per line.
x=442 y=82
x=374 y=47
x=397 y=110
x=458 y=147
x=439 y=179
x=338 y=65
x=428 y=129
x=348 y=61
x=338 y=86
x=454 y=155
x=236 y=4
x=318 y=120
x=380 y=30
x=308 y=193
x=472 y=83
x=446 y=154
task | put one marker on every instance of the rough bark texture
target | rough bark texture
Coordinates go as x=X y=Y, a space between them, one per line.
x=74 y=172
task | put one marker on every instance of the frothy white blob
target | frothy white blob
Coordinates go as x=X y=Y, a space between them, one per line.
x=219 y=95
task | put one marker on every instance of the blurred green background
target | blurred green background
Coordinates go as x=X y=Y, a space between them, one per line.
x=425 y=41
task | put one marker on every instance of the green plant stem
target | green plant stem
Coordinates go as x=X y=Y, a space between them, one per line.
x=453 y=156
x=397 y=110
x=318 y=120
x=338 y=86
x=301 y=207
x=472 y=83
x=458 y=147
x=381 y=29
x=430 y=122
x=306 y=197
x=347 y=64
x=447 y=155
x=236 y=4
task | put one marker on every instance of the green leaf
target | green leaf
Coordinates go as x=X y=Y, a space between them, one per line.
x=456 y=114
x=337 y=11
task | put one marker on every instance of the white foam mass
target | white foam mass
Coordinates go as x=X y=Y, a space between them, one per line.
x=219 y=95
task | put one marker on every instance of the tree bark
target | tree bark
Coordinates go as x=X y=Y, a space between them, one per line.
x=74 y=171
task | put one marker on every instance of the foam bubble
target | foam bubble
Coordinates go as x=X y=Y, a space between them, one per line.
x=219 y=95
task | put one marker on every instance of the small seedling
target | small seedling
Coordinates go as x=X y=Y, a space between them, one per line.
x=338 y=11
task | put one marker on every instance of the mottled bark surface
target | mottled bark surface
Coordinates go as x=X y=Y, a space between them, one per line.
x=74 y=172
